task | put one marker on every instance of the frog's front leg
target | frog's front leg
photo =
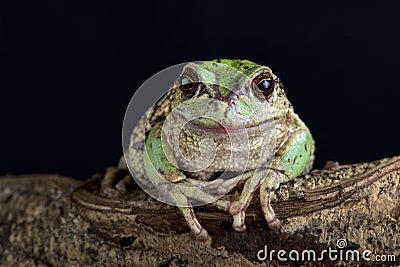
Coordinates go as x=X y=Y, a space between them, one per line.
x=165 y=177
x=273 y=180
x=292 y=159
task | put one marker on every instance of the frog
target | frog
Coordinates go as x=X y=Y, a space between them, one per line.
x=248 y=98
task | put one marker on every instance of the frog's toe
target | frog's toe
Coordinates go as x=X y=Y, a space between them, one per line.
x=237 y=210
x=238 y=221
x=195 y=227
x=109 y=193
x=111 y=177
x=201 y=235
x=275 y=225
x=240 y=227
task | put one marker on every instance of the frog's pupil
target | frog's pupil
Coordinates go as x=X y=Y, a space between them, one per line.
x=265 y=85
x=265 y=88
x=186 y=83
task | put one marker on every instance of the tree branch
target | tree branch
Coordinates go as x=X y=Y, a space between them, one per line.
x=48 y=219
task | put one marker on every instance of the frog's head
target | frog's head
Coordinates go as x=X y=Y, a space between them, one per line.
x=232 y=93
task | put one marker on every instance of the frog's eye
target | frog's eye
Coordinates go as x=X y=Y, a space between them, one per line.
x=265 y=87
x=187 y=86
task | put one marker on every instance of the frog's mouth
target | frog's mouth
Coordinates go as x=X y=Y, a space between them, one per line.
x=214 y=127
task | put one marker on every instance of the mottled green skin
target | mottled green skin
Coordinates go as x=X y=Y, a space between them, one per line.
x=240 y=109
x=296 y=156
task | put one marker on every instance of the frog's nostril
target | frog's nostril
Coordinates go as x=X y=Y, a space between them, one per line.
x=233 y=99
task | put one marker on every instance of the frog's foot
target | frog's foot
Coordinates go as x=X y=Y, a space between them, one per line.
x=179 y=196
x=238 y=212
x=238 y=208
x=265 y=201
x=112 y=186
x=195 y=227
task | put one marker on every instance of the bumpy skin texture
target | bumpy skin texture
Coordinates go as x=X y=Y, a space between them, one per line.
x=249 y=106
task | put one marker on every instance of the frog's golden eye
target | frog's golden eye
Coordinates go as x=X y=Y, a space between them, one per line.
x=265 y=87
x=187 y=86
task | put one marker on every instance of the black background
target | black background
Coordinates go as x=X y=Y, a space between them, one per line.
x=69 y=69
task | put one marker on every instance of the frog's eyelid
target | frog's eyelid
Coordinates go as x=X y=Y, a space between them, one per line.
x=267 y=75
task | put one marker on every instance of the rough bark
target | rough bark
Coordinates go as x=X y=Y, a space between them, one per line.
x=46 y=220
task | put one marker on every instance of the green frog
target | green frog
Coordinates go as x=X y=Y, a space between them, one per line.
x=183 y=143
